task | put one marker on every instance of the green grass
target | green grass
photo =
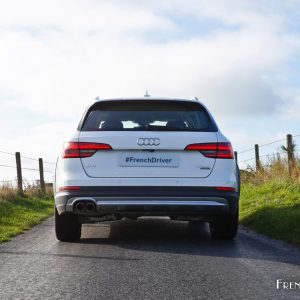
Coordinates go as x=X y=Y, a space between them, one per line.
x=272 y=208
x=20 y=214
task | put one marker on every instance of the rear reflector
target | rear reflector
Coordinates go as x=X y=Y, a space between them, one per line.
x=225 y=188
x=82 y=149
x=69 y=188
x=212 y=150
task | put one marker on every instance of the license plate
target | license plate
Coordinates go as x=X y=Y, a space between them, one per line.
x=148 y=160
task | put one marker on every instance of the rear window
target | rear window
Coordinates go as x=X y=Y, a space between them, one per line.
x=150 y=115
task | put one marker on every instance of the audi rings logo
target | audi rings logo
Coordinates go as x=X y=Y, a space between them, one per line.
x=148 y=141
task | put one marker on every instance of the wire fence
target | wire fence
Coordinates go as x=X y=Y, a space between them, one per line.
x=288 y=151
x=35 y=165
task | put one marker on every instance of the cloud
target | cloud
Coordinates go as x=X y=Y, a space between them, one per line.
x=78 y=17
x=290 y=109
x=61 y=69
x=56 y=57
x=243 y=94
x=43 y=141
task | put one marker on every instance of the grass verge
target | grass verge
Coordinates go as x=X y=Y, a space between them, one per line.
x=272 y=208
x=21 y=213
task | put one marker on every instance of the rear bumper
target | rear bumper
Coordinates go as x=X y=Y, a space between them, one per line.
x=150 y=200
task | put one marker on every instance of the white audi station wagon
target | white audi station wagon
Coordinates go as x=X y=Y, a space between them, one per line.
x=134 y=157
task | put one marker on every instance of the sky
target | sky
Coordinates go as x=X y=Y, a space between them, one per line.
x=241 y=58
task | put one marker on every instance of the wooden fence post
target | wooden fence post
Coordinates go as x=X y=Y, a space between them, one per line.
x=290 y=154
x=257 y=162
x=19 y=173
x=42 y=181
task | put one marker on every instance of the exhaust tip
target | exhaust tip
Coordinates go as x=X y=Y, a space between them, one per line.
x=90 y=207
x=80 y=206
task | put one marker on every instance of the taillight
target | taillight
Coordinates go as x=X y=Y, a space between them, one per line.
x=212 y=150
x=225 y=189
x=69 y=188
x=82 y=149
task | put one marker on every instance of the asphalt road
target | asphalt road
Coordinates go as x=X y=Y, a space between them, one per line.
x=145 y=259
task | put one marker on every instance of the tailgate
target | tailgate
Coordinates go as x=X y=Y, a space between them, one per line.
x=147 y=154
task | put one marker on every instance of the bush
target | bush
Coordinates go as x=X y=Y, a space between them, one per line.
x=9 y=192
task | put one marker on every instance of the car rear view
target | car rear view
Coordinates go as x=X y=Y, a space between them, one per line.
x=146 y=157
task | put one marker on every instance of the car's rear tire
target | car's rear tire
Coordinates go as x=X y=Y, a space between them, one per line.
x=67 y=227
x=225 y=227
